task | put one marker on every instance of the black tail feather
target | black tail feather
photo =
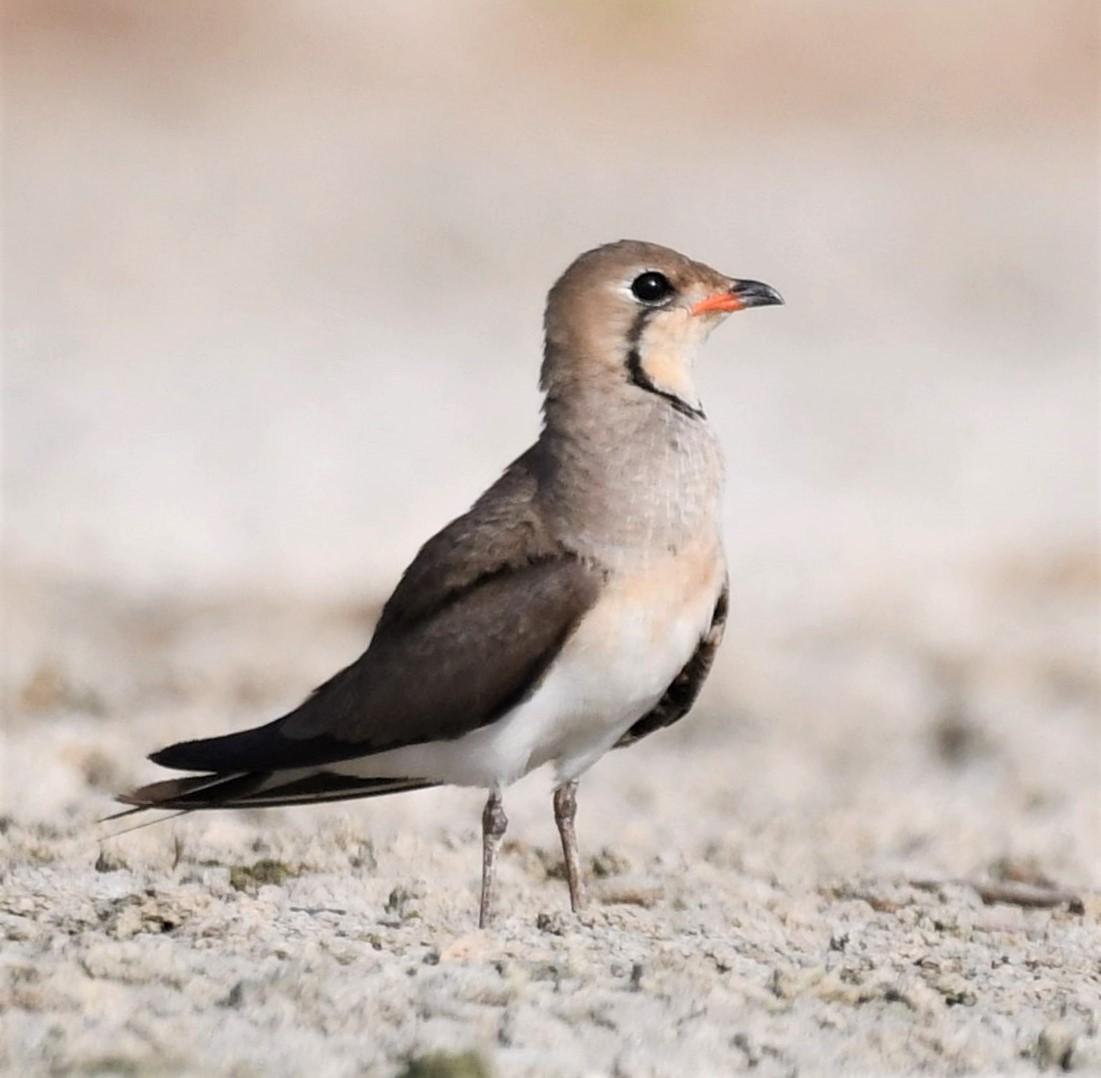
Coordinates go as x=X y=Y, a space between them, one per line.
x=261 y=789
x=195 y=791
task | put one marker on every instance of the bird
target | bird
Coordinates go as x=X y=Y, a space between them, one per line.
x=576 y=607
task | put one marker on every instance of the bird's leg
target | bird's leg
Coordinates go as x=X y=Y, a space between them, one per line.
x=565 y=809
x=494 y=822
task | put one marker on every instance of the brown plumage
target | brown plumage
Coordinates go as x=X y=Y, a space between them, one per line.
x=575 y=607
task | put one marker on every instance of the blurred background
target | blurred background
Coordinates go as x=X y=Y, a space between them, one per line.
x=273 y=277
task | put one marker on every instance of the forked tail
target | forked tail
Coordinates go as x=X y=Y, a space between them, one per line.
x=261 y=789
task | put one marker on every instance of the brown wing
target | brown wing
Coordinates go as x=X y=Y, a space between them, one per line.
x=685 y=687
x=468 y=633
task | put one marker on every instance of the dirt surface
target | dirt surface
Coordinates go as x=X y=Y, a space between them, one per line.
x=857 y=857
x=272 y=286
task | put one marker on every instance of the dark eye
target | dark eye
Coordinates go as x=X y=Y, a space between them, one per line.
x=651 y=287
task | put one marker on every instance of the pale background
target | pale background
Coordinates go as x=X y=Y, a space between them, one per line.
x=273 y=277
x=274 y=272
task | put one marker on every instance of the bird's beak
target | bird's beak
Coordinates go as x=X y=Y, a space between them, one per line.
x=739 y=295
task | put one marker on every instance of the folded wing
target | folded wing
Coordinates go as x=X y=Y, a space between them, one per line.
x=476 y=621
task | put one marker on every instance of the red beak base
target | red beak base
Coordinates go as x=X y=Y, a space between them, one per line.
x=738 y=296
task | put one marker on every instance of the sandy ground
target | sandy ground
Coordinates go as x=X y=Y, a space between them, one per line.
x=272 y=278
x=858 y=857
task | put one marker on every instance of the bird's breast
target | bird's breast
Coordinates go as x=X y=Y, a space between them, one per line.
x=624 y=655
x=648 y=494
x=657 y=598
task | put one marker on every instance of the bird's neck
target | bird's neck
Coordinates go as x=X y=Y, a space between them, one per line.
x=625 y=472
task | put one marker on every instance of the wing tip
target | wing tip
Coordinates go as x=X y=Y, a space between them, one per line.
x=173 y=756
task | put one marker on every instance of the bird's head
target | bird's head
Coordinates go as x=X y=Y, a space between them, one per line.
x=636 y=313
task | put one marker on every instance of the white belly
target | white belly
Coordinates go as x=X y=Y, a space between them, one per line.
x=615 y=667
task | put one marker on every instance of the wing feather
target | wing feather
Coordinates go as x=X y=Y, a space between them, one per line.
x=470 y=630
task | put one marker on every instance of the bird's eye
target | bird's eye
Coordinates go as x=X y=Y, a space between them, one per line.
x=651 y=287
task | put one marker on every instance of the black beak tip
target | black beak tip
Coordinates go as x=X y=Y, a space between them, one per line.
x=756 y=294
